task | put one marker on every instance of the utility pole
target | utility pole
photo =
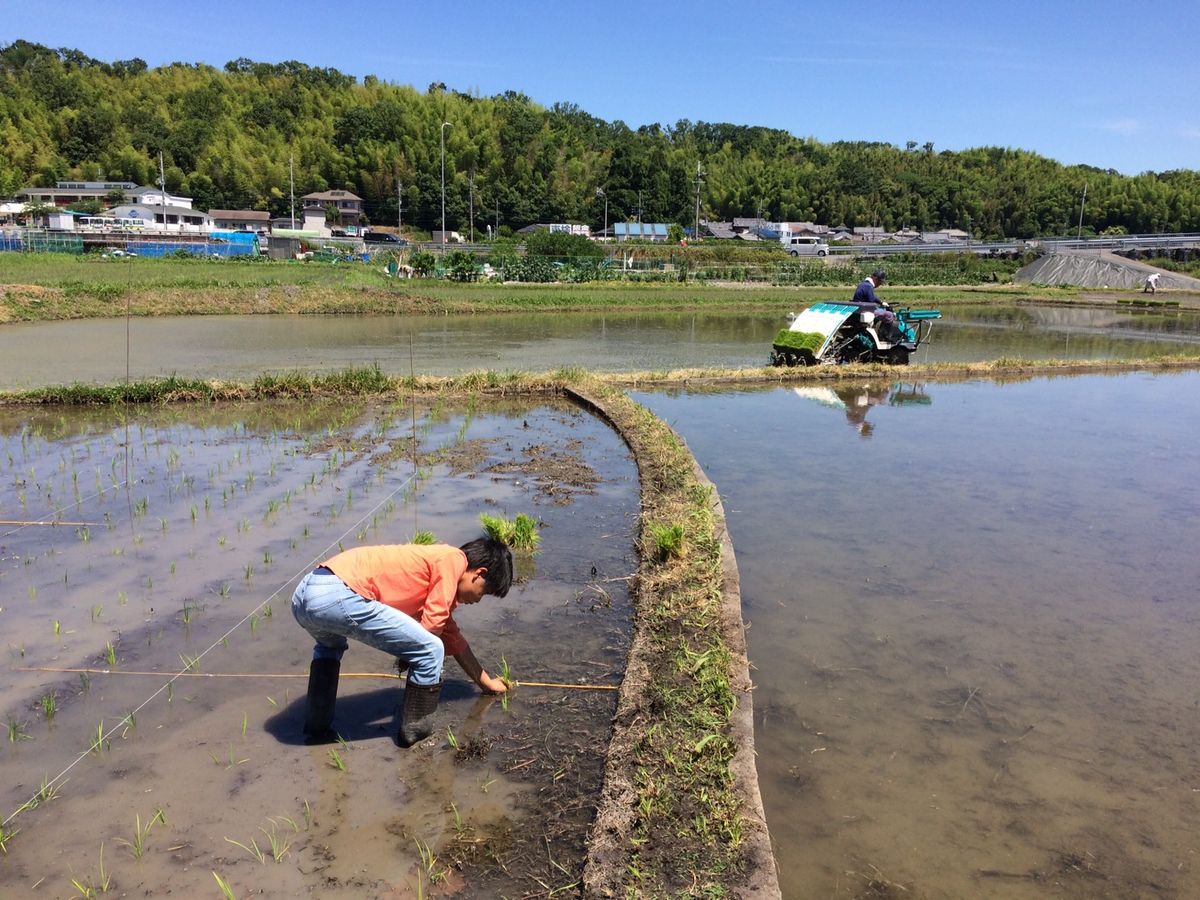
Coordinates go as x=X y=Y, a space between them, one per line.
x=1079 y=236
x=292 y=189
x=699 y=177
x=399 y=207
x=471 y=202
x=162 y=186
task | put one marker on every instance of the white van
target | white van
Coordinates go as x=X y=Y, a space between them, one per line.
x=806 y=245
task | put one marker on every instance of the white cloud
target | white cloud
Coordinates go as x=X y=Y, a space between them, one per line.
x=1127 y=127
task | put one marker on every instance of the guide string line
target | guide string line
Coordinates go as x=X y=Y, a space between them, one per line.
x=58 y=512
x=180 y=674
x=390 y=676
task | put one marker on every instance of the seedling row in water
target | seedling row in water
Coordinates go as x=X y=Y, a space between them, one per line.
x=207 y=534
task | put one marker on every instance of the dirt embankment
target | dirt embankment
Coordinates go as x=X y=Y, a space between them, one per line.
x=1101 y=269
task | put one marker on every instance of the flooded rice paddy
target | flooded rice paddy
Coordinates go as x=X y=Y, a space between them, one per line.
x=241 y=347
x=194 y=524
x=973 y=620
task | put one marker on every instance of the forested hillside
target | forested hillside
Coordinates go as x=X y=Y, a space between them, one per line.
x=226 y=136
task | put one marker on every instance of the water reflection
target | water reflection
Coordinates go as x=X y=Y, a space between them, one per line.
x=856 y=400
x=974 y=635
x=241 y=347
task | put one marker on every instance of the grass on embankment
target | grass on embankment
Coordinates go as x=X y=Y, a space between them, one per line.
x=372 y=381
x=46 y=287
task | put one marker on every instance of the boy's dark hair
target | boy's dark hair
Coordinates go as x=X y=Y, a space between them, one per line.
x=493 y=555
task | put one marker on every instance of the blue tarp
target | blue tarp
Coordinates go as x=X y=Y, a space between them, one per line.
x=235 y=237
x=164 y=248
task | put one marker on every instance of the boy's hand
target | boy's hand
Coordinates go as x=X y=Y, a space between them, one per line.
x=492 y=685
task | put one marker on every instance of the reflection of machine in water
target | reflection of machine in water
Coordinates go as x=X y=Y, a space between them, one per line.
x=856 y=400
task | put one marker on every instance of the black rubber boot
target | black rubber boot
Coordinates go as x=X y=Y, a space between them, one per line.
x=420 y=703
x=322 y=694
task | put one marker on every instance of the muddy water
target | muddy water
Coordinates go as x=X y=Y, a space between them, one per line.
x=199 y=523
x=973 y=622
x=241 y=347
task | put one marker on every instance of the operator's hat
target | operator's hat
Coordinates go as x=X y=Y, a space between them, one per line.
x=879 y=275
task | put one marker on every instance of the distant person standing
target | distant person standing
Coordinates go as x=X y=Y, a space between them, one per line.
x=1151 y=285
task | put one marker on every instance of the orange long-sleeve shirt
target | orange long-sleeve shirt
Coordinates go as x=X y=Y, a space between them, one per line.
x=420 y=580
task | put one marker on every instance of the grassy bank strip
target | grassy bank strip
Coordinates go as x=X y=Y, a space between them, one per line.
x=371 y=381
x=680 y=813
x=108 y=296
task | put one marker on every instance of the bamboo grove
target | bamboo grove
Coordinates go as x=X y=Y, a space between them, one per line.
x=226 y=136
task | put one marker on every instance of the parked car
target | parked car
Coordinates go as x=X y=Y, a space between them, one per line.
x=383 y=237
x=804 y=245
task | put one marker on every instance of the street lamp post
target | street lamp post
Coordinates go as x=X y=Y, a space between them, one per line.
x=445 y=125
x=600 y=193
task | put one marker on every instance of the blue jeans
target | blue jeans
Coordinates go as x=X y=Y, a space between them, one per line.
x=331 y=612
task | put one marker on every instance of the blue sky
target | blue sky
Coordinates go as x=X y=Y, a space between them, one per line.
x=1109 y=84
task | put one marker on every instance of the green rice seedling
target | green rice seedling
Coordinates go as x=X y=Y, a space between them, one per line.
x=336 y=761
x=253 y=849
x=172 y=567
x=452 y=740
x=668 y=540
x=94 y=888
x=226 y=890
x=49 y=704
x=268 y=611
x=6 y=835
x=308 y=815
x=96 y=611
x=484 y=785
x=122 y=598
x=525 y=534
x=137 y=847
x=254 y=624
x=249 y=572
x=149 y=583
x=32 y=592
x=429 y=863
x=57 y=628
x=142 y=507
x=266 y=559
x=85 y=682
x=229 y=763
x=190 y=663
x=162 y=524
x=221 y=541
x=110 y=653
x=17 y=730
x=207 y=503
x=279 y=845
x=223 y=590
x=245 y=720
x=520 y=533
x=98 y=744
x=84 y=534
x=45 y=793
